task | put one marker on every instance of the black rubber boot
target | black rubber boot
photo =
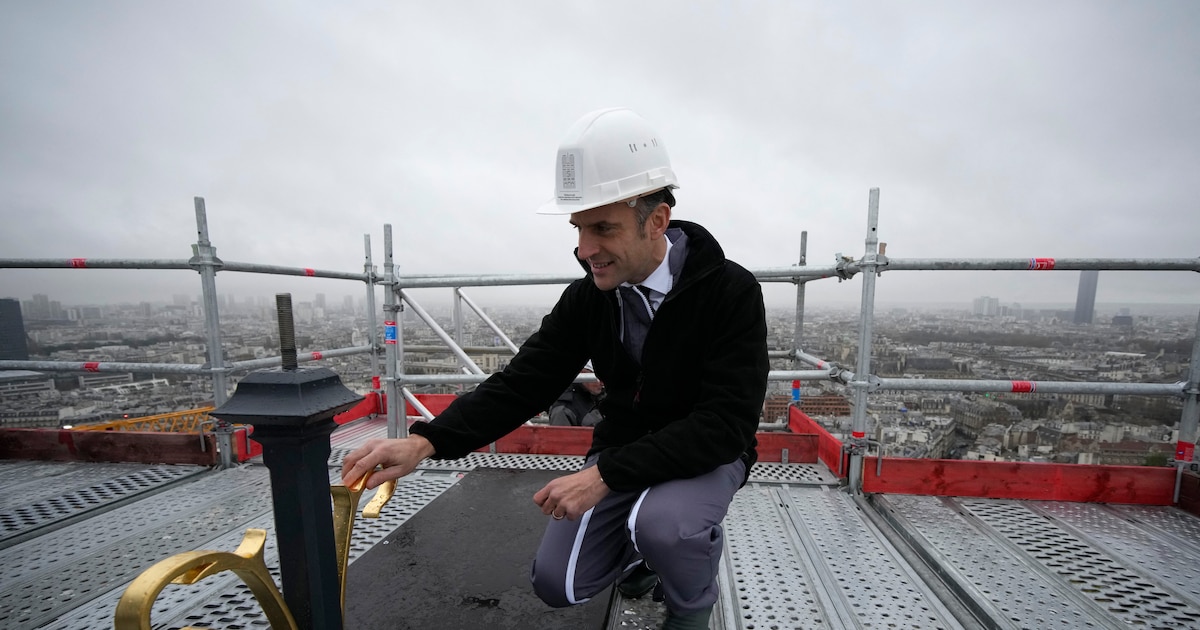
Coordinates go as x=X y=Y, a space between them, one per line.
x=692 y=621
x=640 y=581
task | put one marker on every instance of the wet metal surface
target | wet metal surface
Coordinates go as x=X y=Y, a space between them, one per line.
x=799 y=552
x=463 y=562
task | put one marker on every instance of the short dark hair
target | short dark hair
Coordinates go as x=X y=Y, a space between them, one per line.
x=646 y=205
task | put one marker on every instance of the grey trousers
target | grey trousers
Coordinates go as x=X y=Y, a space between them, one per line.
x=675 y=527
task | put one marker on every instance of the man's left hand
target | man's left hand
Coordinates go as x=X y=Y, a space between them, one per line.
x=572 y=495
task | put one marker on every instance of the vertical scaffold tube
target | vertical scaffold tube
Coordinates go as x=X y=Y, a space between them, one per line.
x=458 y=323
x=205 y=261
x=372 y=323
x=392 y=339
x=798 y=333
x=862 y=371
x=1188 y=423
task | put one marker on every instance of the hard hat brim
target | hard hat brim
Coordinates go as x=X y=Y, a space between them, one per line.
x=554 y=207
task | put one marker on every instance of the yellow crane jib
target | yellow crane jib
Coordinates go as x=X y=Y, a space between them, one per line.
x=133 y=609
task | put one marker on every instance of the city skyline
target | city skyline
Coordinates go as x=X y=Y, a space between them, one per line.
x=993 y=130
x=339 y=302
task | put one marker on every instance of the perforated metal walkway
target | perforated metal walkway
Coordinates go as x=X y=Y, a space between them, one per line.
x=800 y=552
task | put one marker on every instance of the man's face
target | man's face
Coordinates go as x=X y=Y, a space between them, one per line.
x=593 y=387
x=613 y=246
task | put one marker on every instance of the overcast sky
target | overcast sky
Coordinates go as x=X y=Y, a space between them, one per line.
x=993 y=129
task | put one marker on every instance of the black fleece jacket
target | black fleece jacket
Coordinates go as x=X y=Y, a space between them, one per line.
x=691 y=406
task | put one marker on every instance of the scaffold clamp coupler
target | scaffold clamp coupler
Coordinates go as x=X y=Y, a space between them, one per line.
x=196 y=262
x=841 y=269
x=881 y=262
x=857 y=445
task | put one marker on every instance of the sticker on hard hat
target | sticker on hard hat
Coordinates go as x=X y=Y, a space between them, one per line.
x=568 y=176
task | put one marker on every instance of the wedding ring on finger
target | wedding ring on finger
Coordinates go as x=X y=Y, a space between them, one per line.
x=557 y=516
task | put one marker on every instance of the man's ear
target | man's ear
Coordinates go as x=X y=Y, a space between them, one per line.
x=659 y=219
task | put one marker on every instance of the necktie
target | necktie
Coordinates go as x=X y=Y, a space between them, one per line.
x=637 y=313
x=649 y=302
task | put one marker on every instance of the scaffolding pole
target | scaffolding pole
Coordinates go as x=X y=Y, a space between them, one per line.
x=393 y=340
x=798 y=333
x=857 y=443
x=205 y=261
x=440 y=332
x=175 y=368
x=487 y=320
x=456 y=308
x=106 y=366
x=1026 y=387
x=1038 y=264
x=1185 y=448
x=301 y=357
x=809 y=359
x=466 y=379
x=372 y=324
x=92 y=263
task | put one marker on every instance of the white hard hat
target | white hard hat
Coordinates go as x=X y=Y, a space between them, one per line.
x=608 y=155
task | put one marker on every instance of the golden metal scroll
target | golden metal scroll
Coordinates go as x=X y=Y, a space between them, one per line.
x=133 y=610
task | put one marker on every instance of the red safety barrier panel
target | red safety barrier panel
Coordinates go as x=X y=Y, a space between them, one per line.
x=829 y=448
x=537 y=439
x=1189 y=493
x=146 y=447
x=1143 y=485
x=435 y=403
x=370 y=404
x=801 y=448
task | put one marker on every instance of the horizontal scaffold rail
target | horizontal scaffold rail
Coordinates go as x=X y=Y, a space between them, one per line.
x=773 y=274
x=1036 y=264
x=467 y=379
x=133 y=263
x=174 y=368
x=874 y=383
x=1027 y=387
x=92 y=263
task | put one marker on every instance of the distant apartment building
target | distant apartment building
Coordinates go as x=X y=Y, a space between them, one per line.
x=825 y=405
x=775 y=408
x=986 y=306
x=12 y=332
x=974 y=415
x=1085 y=299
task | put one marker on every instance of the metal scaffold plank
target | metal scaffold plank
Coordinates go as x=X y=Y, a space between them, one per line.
x=1171 y=562
x=112 y=548
x=60 y=493
x=1002 y=587
x=225 y=602
x=1119 y=586
x=805 y=557
x=764 y=578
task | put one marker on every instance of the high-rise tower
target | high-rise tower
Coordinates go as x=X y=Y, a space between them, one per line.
x=1085 y=301
x=12 y=332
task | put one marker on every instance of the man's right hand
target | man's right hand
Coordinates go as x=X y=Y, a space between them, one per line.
x=398 y=457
